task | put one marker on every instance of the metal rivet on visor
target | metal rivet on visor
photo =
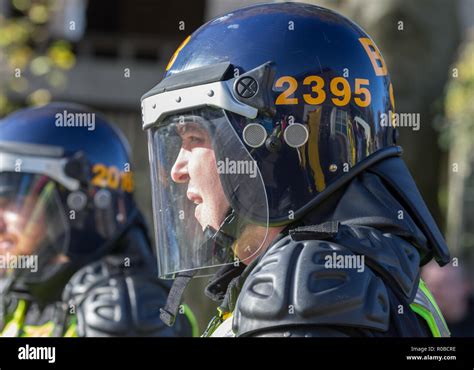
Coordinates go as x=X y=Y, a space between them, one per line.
x=178 y=99
x=246 y=87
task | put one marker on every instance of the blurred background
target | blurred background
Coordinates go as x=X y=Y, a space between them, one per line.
x=107 y=53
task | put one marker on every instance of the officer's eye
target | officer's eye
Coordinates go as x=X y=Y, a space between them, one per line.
x=196 y=139
x=191 y=140
x=192 y=135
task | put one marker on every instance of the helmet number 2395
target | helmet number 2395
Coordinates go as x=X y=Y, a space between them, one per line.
x=339 y=87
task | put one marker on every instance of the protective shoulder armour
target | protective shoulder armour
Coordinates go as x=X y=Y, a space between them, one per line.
x=299 y=283
x=112 y=302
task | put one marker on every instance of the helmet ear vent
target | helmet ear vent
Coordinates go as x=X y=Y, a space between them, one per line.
x=103 y=199
x=254 y=135
x=296 y=135
x=77 y=200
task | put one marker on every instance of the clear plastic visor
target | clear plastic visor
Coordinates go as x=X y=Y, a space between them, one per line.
x=206 y=191
x=34 y=231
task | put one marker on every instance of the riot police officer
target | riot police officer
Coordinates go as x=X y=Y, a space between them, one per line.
x=67 y=208
x=276 y=170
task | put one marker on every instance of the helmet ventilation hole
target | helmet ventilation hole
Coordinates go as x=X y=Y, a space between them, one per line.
x=254 y=135
x=296 y=135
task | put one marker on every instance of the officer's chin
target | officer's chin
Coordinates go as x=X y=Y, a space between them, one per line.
x=206 y=218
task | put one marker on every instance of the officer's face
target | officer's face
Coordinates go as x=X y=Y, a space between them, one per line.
x=196 y=166
x=18 y=236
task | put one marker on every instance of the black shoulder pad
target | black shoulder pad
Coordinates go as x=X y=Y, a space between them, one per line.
x=113 y=303
x=292 y=285
x=85 y=278
x=393 y=258
x=126 y=306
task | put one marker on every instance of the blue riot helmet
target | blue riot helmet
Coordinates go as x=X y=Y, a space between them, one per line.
x=65 y=194
x=293 y=99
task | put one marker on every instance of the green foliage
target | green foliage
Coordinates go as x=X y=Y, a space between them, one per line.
x=460 y=101
x=28 y=52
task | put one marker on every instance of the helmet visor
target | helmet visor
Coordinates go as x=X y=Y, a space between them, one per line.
x=209 y=201
x=33 y=226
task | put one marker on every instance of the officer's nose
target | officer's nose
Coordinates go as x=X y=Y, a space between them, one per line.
x=179 y=172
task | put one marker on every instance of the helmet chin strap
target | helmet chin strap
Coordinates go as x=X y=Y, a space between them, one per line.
x=219 y=242
x=169 y=312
